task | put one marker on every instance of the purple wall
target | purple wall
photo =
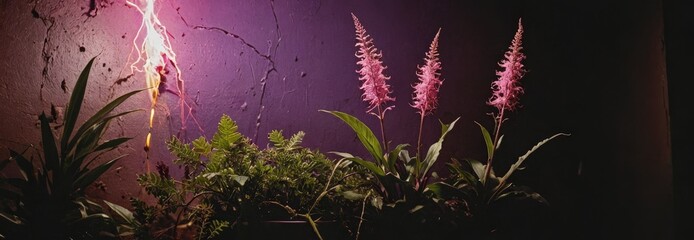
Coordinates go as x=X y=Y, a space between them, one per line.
x=596 y=71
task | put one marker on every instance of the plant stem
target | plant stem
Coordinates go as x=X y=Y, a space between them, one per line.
x=381 y=115
x=499 y=121
x=419 y=145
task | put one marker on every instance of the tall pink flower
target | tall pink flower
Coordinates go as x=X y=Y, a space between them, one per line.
x=374 y=81
x=427 y=89
x=507 y=89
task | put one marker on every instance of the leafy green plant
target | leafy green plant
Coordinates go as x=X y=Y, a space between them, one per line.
x=474 y=189
x=399 y=180
x=230 y=183
x=48 y=201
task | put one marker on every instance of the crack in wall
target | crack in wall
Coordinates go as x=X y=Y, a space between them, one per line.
x=271 y=67
x=46 y=56
x=263 y=81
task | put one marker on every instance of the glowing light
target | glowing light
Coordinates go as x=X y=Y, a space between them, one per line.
x=154 y=55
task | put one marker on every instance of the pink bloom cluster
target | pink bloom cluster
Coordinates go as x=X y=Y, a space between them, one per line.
x=426 y=90
x=507 y=89
x=374 y=81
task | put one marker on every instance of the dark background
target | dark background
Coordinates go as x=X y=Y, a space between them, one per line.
x=614 y=74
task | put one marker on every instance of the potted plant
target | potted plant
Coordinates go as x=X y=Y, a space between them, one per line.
x=48 y=200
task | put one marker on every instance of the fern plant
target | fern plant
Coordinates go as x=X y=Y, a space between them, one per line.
x=230 y=183
x=48 y=201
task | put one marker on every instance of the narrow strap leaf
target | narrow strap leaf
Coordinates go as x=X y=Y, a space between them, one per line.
x=75 y=104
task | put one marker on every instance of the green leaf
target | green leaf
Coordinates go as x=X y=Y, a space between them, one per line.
x=75 y=104
x=201 y=146
x=50 y=150
x=487 y=141
x=122 y=212
x=88 y=178
x=25 y=167
x=525 y=156
x=520 y=195
x=444 y=190
x=365 y=135
x=368 y=165
x=12 y=219
x=227 y=134
x=276 y=137
x=393 y=156
x=477 y=167
x=435 y=149
x=295 y=141
x=112 y=144
x=100 y=116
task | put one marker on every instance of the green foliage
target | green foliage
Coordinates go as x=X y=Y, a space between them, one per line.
x=230 y=181
x=401 y=201
x=483 y=194
x=48 y=202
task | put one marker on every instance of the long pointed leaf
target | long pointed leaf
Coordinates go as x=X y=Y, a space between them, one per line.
x=100 y=115
x=50 y=150
x=111 y=144
x=488 y=141
x=435 y=149
x=25 y=167
x=364 y=133
x=88 y=178
x=75 y=104
x=527 y=154
x=368 y=165
x=393 y=157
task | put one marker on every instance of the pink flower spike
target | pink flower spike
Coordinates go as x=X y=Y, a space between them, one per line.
x=427 y=89
x=371 y=73
x=506 y=89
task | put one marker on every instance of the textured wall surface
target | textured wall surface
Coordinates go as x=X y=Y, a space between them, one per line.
x=596 y=70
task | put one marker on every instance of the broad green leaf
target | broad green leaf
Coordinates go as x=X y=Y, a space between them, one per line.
x=50 y=150
x=365 y=135
x=487 y=141
x=477 y=167
x=368 y=165
x=75 y=104
x=393 y=156
x=122 y=212
x=435 y=149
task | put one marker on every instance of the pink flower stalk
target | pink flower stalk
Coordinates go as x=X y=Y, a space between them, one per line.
x=507 y=89
x=427 y=89
x=374 y=81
